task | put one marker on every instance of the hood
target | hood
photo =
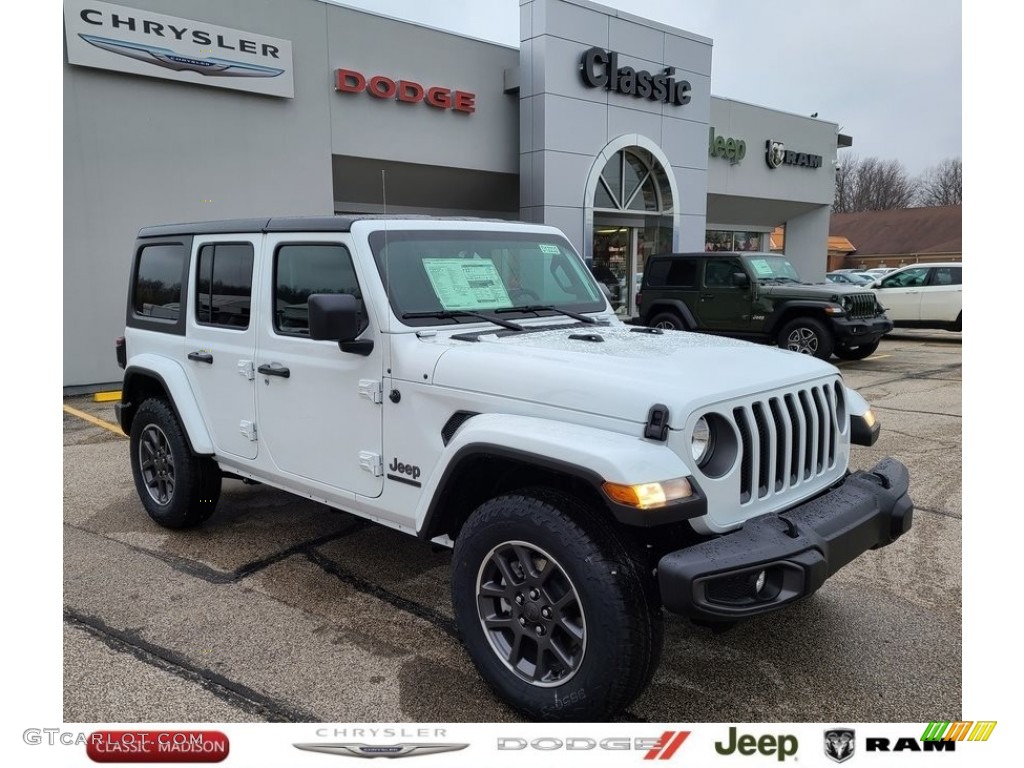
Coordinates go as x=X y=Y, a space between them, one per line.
x=818 y=291
x=625 y=373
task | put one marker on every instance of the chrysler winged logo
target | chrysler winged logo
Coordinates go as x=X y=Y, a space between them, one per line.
x=380 y=750
x=165 y=57
x=839 y=744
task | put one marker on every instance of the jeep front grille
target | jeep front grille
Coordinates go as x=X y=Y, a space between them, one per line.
x=861 y=305
x=787 y=440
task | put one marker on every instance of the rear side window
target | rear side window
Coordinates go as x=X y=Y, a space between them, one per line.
x=224 y=285
x=946 y=276
x=157 y=290
x=677 y=273
x=300 y=270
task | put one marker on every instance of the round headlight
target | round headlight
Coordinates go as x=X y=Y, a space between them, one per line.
x=700 y=441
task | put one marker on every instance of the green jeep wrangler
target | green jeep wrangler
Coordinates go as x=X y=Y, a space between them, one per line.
x=760 y=297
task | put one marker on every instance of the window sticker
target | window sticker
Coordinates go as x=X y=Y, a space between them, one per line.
x=467 y=283
x=548 y=248
x=761 y=267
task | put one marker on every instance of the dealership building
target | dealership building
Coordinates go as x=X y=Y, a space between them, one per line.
x=600 y=123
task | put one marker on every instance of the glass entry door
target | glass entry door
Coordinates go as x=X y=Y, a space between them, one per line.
x=615 y=264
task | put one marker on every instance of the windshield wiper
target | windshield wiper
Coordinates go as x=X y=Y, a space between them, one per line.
x=549 y=308
x=445 y=314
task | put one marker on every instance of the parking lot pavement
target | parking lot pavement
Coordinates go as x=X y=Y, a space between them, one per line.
x=280 y=609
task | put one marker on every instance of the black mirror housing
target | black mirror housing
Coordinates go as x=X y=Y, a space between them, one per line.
x=333 y=317
x=741 y=279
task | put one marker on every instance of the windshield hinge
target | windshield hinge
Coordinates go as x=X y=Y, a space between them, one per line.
x=371 y=389
x=657 y=423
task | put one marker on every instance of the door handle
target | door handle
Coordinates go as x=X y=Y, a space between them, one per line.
x=274 y=369
x=200 y=357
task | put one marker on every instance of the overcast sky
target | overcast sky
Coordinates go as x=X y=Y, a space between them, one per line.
x=887 y=71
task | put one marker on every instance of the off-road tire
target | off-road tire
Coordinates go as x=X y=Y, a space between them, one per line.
x=858 y=352
x=177 y=488
x=595 y=578
x=807 y=335
x=668 y=321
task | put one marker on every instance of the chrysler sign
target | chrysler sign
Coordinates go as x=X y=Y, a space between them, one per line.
x=125 y=39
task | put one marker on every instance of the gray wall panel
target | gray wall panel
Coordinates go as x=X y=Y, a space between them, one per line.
x=142 y=151
x=636 y=40
x=487 y=139
x=622 y=121
x=572 y=125
x=686 y=142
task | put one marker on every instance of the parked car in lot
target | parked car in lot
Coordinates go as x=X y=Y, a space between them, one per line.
x=923 y=295
x=760 y=297
x=850 y=278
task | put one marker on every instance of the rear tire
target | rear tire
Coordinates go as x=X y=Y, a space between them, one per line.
x=856 y=353
x=552 y=608
x=668 y=321
x=178 y=488
x=808 y=336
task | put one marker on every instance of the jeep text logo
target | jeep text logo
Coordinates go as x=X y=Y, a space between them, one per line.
x=731 y=149
x=404 y=473
x=779 y=746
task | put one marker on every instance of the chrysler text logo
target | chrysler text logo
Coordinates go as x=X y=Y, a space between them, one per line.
x=380 y=750
x=165 y=57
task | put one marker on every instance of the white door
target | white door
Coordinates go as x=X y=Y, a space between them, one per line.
x=220 y=340
x=320 y=416
x=942 y=298
x=900 y=293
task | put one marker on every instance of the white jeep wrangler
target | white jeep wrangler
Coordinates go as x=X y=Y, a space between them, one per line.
x=466 y=381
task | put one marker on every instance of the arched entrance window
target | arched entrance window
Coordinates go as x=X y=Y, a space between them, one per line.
x=633 y=219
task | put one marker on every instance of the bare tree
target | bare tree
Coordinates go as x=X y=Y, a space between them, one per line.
x=941 y=184
x=872 y=185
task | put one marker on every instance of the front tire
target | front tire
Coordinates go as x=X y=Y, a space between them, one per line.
x=178 y=488
x=808 y=336
x=552 y=608
x=668 y=321
x=858 y=352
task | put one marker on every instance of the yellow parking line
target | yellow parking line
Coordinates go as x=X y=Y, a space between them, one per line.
x=93 y=420
x=106 y=397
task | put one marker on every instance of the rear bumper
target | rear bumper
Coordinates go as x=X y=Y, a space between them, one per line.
x=795 y=550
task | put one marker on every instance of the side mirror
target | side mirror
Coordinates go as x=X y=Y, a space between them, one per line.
x=335 y=317
x=740 y=279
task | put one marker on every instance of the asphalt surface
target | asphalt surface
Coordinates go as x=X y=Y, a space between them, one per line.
x=281 y=609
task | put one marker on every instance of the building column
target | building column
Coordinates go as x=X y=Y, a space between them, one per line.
x=807 y=243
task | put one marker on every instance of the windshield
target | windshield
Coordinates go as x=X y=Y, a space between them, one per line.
x=772 y=268
x=450 y=275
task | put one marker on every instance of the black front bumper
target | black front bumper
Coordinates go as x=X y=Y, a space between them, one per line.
x=788 y=554
x=855 y=331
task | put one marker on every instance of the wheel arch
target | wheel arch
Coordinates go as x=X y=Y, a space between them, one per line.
x=792 y=311
x=493 y=454
x=677 y=306
x=158 y=377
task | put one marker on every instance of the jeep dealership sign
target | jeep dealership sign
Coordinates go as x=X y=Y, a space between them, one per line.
x=124 y=39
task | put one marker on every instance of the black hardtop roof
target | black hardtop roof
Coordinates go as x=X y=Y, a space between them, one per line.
x=338 y=223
